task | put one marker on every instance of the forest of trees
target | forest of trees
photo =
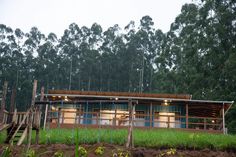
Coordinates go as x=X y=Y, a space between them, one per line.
x=196 y=56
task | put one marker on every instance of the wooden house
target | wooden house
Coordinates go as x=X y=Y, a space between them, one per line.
x=69 y=109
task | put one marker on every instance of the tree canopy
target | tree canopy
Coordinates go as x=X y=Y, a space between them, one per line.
x=196 y=56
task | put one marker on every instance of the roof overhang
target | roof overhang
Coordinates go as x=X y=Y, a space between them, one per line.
x=198 y=106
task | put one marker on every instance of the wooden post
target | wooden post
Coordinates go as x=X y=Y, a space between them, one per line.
x=45 y=117
x=30 y=129
x=204 y=123
x=3 y=102
x=80 y=107
x=187 y=116
x=130 y=143
x=150 y=114
x=59 y=116
x=115 y=117
x=31 y=113
x=14 y=118
x=168 y=123
x=38 y=117
x=223 y=116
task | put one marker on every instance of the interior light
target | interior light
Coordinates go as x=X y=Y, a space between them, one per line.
x=213 y=121
x=116 y=98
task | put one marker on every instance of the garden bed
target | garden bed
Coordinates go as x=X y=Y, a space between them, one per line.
x=116 y=150
x=156 y=143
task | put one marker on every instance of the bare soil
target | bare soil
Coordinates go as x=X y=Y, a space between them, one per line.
x=115 y=150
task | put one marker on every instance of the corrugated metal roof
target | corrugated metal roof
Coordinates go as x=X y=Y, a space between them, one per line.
x=120 y=94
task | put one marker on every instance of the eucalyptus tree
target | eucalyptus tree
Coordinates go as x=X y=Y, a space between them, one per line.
x=146 y=52
x=46 y=69
x=69 y=54
x=131 y=61
x=110 y=49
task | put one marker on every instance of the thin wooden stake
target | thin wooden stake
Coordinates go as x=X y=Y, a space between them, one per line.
x=129 y=143
x=38 y=116
x=31 y=114
x=45 y=117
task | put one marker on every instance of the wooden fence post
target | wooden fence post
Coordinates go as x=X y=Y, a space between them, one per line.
x=187 y=116
x=31 y=114
x=130 y=143
x=150 y=116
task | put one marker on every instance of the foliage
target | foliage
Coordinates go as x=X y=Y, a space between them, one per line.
x=120 y=153
x=6 y=152
x=82 y=152
x=196 y=56
x=77 y=143
x=169 y=152
x=58 y=154
x=99 y=150
x=30 y=153
x=144 y=138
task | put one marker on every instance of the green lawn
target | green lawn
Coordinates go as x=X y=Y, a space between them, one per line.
x=142 y=138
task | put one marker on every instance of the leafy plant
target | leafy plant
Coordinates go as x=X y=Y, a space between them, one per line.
x=99 y=150
x=169 y=152
x=48 y=137
x=58 y=154
x=82 y=152
x=68 y=140
x=77 y=143
x=6 y=152
x=30 y=153
x=121 y=153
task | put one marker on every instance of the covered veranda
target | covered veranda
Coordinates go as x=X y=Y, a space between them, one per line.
x=114 y=109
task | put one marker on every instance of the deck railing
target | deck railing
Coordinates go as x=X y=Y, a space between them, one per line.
x=141 y=120
x=21 y=117
x=5 y=117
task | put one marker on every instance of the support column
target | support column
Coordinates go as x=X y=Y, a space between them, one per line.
x=45 y=117
x=223 y=116
x=114 y=122
x=186 y=116
x=150 y=116
x=80 y=111
x=3 y=102
x=130 y=143
x=38 y=115
x=31 y=114
x=204 y=123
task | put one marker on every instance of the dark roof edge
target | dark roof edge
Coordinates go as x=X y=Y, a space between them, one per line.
x=144 y=98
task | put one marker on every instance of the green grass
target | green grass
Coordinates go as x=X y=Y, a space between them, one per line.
x=143 y=138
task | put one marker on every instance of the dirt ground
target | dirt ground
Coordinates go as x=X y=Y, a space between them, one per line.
x=119 y=151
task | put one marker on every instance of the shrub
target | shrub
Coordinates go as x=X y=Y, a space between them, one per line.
x=99 y=151
x=30 y=153
x=6 y=152
x=58 y=154
x=120 y=153
x=82 y=152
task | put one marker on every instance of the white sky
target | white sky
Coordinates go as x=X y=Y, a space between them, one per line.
x=56 y=15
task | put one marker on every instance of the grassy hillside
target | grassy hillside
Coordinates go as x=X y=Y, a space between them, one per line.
x=142 y=138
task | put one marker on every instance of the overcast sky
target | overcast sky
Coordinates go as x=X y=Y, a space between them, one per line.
x=56 y=15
